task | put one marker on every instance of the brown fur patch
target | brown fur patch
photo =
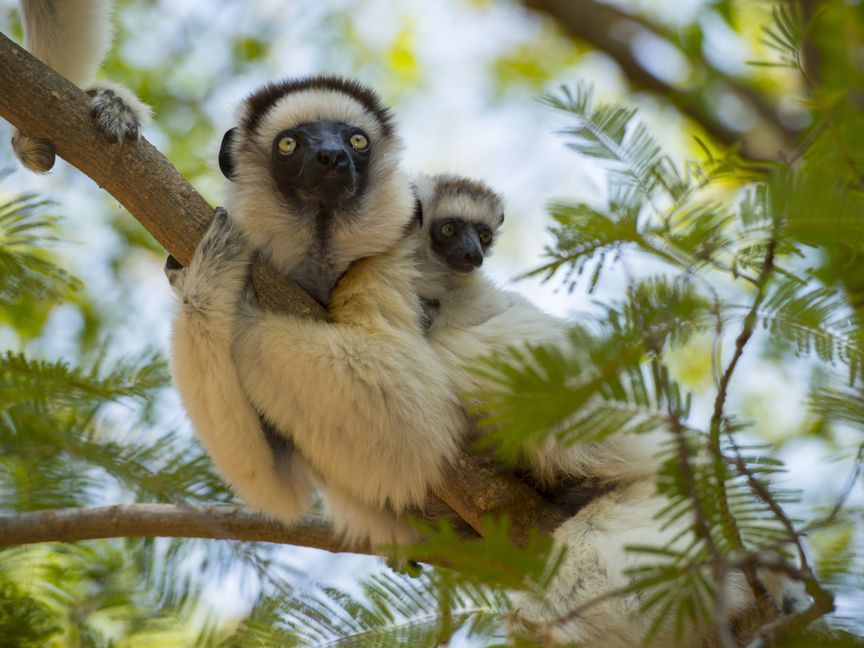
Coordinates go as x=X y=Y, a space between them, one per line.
x=263 y=99
x=451 y=185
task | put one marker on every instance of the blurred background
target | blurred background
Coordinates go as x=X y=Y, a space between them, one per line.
x=465 y=79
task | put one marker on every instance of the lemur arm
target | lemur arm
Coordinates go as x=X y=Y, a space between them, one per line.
x=227 y=423
x=364 y=397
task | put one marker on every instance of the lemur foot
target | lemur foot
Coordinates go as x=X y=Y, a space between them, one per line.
x=223 y=238
x=35 y=154
x=117 y=113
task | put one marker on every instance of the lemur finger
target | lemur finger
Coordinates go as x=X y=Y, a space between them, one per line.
x=223 y=238
x=172 y=263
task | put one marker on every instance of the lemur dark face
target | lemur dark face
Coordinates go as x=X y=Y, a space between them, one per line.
x=316 y=183
x=321 y=140
x=321 y=163
x=462 y=244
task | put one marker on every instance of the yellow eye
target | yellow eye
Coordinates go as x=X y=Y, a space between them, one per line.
x=286 y=145
x=448 y=229
x=486 y=237
x=359 y=142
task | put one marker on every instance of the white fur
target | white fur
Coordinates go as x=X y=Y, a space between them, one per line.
x=72 y=37
x=595 y=560
x=286 y=238
x=69 y=36
x=359 y=523
x=316 y=105
x=363 y=398
x=475 y=319
x=204 y=371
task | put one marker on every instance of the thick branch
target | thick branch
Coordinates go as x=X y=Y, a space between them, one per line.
x=476 y=488
x=215 y=521
x=42 y=104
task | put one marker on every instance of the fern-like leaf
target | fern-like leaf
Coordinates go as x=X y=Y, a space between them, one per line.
x=394 y=610
x=25 y=268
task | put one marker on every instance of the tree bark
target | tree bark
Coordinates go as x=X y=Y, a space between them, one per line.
x=214 y=521
x=42 y=104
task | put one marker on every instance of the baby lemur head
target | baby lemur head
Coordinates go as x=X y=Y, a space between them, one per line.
x=460 y=219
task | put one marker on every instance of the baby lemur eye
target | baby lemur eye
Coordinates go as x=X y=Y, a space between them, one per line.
x=448 y=230
x=485 y=237
x=286 y=145
x=359 y=142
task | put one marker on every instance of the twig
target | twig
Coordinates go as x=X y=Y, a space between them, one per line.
x=700 y=522
x=841 y=145
x=823 y=603
x=764 y=601
x=857 y=465
x=823 y=600
x=761 y=491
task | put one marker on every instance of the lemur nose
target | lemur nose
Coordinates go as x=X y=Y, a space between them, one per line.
x=333 y=157
x=474 y=258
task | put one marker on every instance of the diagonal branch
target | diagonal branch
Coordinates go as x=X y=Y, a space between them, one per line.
x=42 y=104
x=611 y=31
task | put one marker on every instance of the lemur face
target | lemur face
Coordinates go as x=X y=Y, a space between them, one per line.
x=459 y=218
x=461 y=244
x=320 y=139
x=316 y=183
x=325 y=162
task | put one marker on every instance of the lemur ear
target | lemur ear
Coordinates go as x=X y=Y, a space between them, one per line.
x=226 y=160
x=418 y=212
x=501 y=219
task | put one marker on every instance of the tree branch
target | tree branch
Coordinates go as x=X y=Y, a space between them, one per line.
x=214 y=521
x=42 y=104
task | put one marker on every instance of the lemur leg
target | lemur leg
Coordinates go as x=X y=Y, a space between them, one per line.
x=117 y=113
x=72 y=37
x=359 y=524
x=364 y=397
x=279 y=484
x=595 y=563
